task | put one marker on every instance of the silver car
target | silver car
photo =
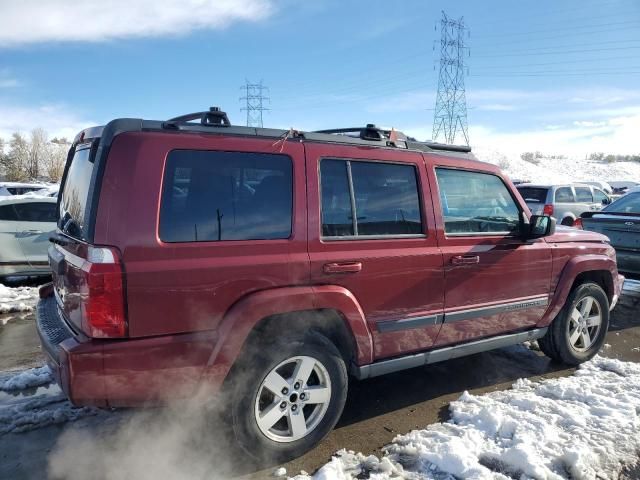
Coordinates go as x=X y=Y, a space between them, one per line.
x=25 y=225
x=565 y=202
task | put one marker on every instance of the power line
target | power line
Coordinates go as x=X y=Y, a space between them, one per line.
x=254 y=98
x=556 y=52
x=450 y=115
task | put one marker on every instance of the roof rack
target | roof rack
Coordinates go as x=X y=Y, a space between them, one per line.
x=367 y=135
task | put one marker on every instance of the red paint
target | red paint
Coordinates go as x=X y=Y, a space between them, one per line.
x=190 y=307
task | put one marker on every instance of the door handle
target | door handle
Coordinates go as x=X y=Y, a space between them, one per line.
x=465 y=259
x=347 y=267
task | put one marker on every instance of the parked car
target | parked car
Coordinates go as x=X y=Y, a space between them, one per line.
x=16 y=188
x=25 y=225
x=620 y=221
x=604 y=186
x=274 y=265
x=565 y=202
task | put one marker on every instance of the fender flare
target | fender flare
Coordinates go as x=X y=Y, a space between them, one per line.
x=247 y=312
x=573 y=268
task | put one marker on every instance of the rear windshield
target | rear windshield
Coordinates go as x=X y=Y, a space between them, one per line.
x=630 y=203
x=75 y=192
x=533 y=194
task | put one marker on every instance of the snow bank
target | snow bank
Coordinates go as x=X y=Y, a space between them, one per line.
x=586 y=426
x=33 y=377
x=17 y=299
x=40 y=412
x=573 y=169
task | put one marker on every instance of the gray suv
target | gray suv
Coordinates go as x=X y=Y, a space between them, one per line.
x=565 y=202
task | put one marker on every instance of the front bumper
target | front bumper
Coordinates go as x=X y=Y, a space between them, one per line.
x=617 y=290
x=125 y=372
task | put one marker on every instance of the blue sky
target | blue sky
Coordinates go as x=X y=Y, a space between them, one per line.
x=547 y=74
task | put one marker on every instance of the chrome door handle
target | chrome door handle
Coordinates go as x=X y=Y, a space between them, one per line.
x=346 y=267
x=465 y=259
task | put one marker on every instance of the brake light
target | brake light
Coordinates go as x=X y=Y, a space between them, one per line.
x=104 y=307
x=578 y=223
x=548 y=209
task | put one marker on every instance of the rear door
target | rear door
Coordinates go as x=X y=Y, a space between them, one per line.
x=494 y=281
x=371 y=231
x=564 y=203
x=36 y=223
x=584 y=200
x=11 y=254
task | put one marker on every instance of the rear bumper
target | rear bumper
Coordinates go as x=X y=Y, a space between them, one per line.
x=628 y=261
x=130 y=372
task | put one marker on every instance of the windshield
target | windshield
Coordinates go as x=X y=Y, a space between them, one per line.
x=73 y=200
x=628 y=204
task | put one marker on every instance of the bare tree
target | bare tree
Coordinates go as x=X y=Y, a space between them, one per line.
x=15 y=161
x=37 y=153
x=56 y=158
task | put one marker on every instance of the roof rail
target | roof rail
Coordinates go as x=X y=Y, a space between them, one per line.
x=214 y=117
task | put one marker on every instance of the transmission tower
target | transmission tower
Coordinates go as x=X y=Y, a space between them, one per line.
x=255 y=99
x=450 y=117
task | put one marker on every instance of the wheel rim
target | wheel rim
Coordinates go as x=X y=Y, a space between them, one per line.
x=584 y=324
x=293 y=399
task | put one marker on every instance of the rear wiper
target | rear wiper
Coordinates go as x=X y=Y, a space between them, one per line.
x=58 y=239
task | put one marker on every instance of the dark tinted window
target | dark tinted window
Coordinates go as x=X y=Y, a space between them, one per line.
x=22 y=190
x=583 y=194
x=630 y=203
x=533 y=194
x=75 y=192
x=211 y=196
x=8 y=213
x=36 y=212
x=564 y=195
x=385 y=196
x=474 y=202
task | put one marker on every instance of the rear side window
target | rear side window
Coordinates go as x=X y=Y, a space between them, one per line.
x=216 y=196
x=75 y=193
x=382 y=198
x=8 y=214
x=564 y=195
x=475 y=203
x=583 y=194
x=533 y=194
x=36 y=212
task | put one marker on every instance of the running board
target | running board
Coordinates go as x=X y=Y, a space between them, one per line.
x=441 y=354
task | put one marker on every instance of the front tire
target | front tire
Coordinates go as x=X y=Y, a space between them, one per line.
x=579 y=330
x=288 y=397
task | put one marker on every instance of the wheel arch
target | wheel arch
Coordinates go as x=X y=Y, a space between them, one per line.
x=331 y=310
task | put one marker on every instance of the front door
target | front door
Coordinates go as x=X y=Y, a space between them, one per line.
x=495 y=282
x=371 y=232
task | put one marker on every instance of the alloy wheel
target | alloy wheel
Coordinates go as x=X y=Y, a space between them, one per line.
x=584 y=324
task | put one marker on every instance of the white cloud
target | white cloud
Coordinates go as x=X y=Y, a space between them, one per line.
x=34 y=21
x=58 y=120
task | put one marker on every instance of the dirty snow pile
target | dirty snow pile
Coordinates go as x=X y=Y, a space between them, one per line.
x=17 y=299
x=585 y=426
x=558 y=170
x=30 y=378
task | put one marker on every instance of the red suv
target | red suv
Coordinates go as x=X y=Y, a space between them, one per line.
x=275 y=264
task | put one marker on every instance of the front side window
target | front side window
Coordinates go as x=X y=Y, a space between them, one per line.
x=583 y=194
x=564 y=195
x=382 y=198
x=476 y=203
x=36 y=212
x=599 y=196
x=215 y=196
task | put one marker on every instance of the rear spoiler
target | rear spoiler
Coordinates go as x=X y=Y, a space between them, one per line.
x=620 y=214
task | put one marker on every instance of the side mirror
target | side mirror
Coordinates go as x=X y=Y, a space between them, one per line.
x=541 y=226
x=606 y=201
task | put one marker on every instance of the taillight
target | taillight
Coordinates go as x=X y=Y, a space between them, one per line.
x=104 y=307
x=548 y=210
x=578 y=223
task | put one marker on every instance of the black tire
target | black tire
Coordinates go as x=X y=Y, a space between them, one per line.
x=556 y=343
x=247 y=384
x=567 y=222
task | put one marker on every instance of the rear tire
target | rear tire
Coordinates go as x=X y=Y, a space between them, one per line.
x=567 y=222
x=287 y=397
x=579 y=330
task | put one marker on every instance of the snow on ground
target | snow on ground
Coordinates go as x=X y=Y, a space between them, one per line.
x=17 y=299
x=30 y=378
x=574 y=169
x=585 y=426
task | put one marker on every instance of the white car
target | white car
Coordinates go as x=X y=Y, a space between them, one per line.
x=17 y=188
x=25 y=225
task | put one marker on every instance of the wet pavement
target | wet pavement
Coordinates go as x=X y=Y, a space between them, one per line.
x=377 y=409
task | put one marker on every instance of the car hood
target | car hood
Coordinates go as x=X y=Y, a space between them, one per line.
x=568 y=234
